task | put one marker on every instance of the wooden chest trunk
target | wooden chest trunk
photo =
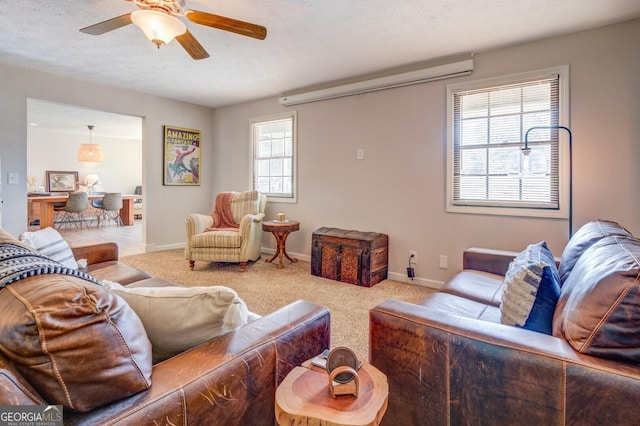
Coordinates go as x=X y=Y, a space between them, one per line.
x=352 y=257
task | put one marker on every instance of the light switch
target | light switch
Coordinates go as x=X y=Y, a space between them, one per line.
x=360 y=154
x=13 y=178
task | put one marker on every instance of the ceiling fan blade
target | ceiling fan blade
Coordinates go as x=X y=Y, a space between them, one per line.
x=192 y=46
x=227 y=24
x=108 y=25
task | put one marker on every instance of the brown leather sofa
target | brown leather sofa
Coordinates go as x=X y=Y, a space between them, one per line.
x=450 y=360
x=228 y=380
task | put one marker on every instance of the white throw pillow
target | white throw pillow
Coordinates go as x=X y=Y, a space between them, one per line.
x=179 y=318
x=50 y=243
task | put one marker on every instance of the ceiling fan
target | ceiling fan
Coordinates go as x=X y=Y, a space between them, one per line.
x=160 y=21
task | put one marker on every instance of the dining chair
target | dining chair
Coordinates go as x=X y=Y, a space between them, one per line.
x=73 y=211
x=110 y=210
x=58 y=210
x=97 y=206
x=137 y=203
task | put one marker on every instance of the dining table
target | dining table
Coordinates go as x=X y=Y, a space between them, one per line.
x=46 y=203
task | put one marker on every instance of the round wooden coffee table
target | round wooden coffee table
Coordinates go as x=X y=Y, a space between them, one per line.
x=281 y=231
x=304 y=397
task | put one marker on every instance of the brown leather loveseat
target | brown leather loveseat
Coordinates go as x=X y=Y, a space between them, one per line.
x=451 y=360
x=67 y=341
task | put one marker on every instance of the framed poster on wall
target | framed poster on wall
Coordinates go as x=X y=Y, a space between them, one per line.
x=181 y=156
x=62 y=181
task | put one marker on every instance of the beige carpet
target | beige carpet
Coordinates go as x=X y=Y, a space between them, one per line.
x=264 y=288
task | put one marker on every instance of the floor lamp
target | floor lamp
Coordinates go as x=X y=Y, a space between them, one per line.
x=526 y=151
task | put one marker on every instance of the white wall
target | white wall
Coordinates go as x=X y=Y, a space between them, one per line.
x=166 y=207
x=399 y=188
x=121 y=170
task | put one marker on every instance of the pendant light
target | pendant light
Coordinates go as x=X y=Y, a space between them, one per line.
x=90 y=152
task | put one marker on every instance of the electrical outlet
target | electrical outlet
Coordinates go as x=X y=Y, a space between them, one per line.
x=444 y=262
x=413 y=257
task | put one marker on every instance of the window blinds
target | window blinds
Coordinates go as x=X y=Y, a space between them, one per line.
x=489 y=127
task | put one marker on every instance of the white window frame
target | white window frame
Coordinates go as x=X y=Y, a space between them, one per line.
x=563 y=149
x=294 y=158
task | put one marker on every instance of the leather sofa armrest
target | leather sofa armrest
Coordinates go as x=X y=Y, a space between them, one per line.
x=231 y=378
x=96 y=253
x=14 y=390
x=487 y=260
x=451 y=369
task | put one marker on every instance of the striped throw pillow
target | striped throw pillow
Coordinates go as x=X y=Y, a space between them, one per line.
x=50 y=243
x=531 y=290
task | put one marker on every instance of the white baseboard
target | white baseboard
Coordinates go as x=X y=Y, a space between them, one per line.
x=300 y=256
x=425 y=282
x=152 y=247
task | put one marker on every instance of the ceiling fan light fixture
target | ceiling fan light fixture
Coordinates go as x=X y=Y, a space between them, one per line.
x=159 y=27
x=90 y=152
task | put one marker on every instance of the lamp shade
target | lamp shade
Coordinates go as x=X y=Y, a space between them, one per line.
x=92 y=180
x=90 y=152
x=159 y=27
x=527 y=163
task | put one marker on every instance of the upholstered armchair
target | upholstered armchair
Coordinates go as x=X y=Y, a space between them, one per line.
x=237 y=238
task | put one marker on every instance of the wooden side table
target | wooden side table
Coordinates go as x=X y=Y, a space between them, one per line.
x=281 y=231
x=304 y=397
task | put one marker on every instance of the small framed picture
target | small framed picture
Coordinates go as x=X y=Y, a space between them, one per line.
x=181 y=156
x=62 y=181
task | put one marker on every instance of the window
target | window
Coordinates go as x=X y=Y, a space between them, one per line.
x=274 y=156
x=488 y=121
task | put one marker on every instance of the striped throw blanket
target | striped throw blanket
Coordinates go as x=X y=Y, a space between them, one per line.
x=17 y=262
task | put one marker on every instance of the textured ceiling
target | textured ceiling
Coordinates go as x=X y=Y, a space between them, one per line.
x=309 y=42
